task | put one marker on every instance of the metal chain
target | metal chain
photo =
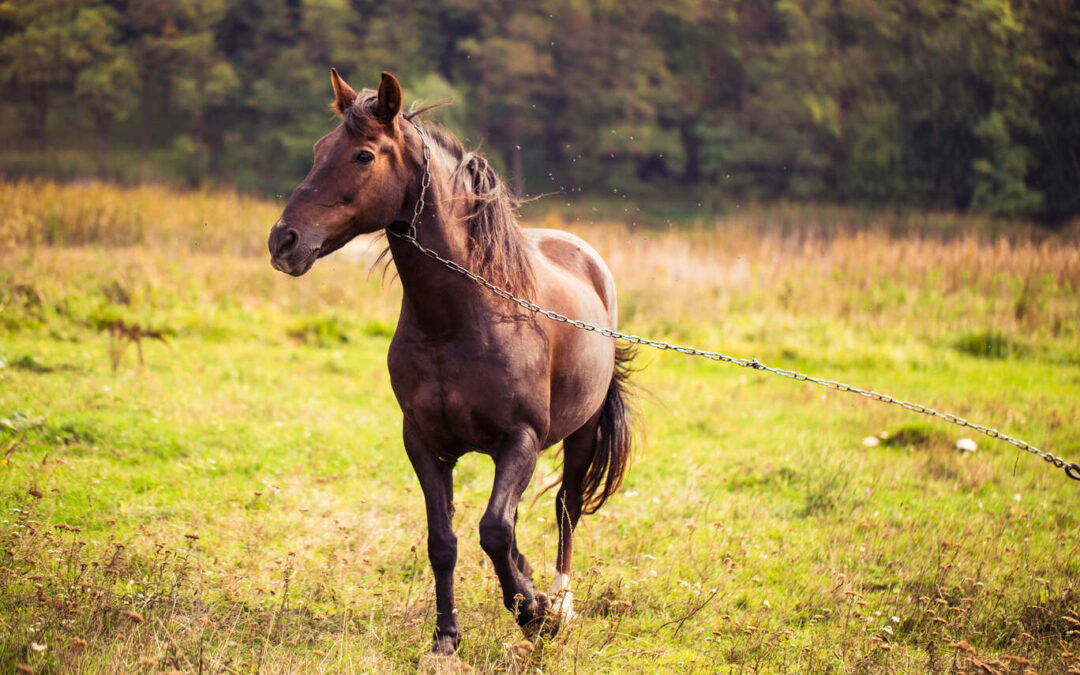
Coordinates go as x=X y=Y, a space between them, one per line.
x=1072 y=469
x=425 y=182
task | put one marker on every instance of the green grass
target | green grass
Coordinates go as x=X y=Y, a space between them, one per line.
x=242 y=503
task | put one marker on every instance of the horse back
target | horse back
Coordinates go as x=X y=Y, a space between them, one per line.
x=579 y=261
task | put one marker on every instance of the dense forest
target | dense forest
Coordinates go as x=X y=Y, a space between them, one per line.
x=973 y=104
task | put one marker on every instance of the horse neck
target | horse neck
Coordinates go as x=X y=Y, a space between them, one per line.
x=439 y=300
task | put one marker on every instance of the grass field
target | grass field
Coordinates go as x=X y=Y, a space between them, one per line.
x=241 y=502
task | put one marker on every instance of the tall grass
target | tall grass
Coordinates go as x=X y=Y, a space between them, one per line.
x=969 y=287
x=39 y=212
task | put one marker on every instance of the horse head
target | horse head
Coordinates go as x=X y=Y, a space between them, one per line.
x=360 y=181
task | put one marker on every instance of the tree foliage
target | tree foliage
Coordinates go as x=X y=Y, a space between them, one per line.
x=973 y=104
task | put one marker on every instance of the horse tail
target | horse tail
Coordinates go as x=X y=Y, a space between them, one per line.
x=611 y=458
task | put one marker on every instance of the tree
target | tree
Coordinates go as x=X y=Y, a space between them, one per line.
x=105 y=89
x=909 y=103
x=172 y=43
x=510 y=68
x=203 y=87
x=1055 y=147
x=52 y=41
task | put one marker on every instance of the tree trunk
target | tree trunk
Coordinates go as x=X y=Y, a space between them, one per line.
x=482 y=111
x=214 y=140
x=517 y=169
x=1076 y=166
x=41 y=102
x=145 y=101
x=692 y=148
x=101 y=126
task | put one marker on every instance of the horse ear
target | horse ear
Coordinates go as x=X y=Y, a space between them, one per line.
x=389 y=99
x=343 y=93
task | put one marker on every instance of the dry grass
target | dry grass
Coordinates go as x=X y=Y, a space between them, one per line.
x=38 y=212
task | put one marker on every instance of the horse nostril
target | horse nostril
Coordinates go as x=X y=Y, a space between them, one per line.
x=289 y=239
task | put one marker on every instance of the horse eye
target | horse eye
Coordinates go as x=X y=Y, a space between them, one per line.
x=364 y=157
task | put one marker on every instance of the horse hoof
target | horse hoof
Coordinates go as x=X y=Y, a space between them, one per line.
x=549 y=617
x=432 y=663
x=533 y=627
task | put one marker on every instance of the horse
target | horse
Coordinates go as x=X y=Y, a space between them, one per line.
x=471 y=371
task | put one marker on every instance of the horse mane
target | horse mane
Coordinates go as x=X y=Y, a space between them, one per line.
x=498 y=250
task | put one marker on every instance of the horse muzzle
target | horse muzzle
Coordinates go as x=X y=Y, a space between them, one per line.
x=287 y=252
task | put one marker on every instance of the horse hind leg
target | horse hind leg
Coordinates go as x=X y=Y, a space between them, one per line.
x=595 y=458
x=578 y=449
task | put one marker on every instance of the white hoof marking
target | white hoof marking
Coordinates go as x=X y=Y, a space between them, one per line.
x=562 y=599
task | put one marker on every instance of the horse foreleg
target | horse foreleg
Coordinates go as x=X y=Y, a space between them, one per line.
x=437 y=481
x=514 y=465
x=518 y=557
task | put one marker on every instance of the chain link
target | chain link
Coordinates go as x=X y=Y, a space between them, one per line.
x=1072 y=469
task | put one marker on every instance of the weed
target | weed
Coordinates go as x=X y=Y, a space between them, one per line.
x=825 y=490
x=991 y=344
x=20 y=421
x=917 y=437
x=319 y=331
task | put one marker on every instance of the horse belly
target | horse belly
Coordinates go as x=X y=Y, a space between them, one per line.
x=581 y=374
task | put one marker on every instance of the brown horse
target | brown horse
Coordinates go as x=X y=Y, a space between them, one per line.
x=471 y=371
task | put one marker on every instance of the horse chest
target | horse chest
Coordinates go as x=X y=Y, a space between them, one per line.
x=468 y=392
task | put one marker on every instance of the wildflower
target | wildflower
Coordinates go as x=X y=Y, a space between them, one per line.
x=896 y=619
x=524 y=649
x=37 y=647
x=966 y=445
x=887 y=628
